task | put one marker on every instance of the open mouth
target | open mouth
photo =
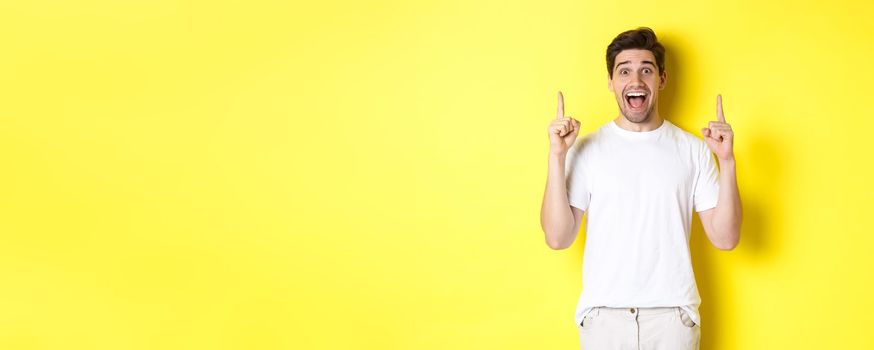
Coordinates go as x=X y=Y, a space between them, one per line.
x=636 y=99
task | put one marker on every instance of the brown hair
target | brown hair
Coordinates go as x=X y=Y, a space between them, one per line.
x=640 y=38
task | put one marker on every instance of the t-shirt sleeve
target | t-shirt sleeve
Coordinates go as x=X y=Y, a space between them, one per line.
x=577 y=177
x=707 y=185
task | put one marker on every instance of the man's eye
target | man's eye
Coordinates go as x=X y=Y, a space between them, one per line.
x=623 y=72
x=646 y=70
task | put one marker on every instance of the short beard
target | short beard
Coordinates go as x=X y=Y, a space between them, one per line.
x=646 y=116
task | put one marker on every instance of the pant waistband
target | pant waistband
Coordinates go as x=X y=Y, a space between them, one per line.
x=635 y=311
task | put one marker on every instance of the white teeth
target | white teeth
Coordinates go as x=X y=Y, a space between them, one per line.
x=635 y=94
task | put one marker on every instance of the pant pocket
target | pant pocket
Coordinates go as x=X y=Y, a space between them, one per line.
x=587 y=321
x=685 y=319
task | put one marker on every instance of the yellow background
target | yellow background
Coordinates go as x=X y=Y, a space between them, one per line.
x=368 y=175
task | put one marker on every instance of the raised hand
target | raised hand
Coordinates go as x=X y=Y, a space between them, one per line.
x=563 y=130
x=719 y=136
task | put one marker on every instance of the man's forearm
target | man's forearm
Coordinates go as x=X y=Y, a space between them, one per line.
x=728 y=214
x=556 y=217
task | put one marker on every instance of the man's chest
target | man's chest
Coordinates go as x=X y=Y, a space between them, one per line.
x=642 y=171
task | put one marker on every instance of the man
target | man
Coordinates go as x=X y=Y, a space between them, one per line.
x=639 y=177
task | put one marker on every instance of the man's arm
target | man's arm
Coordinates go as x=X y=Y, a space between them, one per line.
x=722 y=223
x=559 y=221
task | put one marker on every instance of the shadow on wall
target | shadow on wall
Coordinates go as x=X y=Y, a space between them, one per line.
x=668 y=96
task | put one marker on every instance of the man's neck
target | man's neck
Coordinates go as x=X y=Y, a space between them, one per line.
x=654 y=122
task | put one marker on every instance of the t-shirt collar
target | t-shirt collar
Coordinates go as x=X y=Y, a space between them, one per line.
x=639 y=135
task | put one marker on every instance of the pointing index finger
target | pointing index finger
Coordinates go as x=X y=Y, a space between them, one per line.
x=560 y=112
x=719 y=114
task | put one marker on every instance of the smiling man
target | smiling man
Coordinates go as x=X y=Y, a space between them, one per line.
x=639 y=178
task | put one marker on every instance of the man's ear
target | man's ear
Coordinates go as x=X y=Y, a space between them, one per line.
x=663 y=79
x=609 y=82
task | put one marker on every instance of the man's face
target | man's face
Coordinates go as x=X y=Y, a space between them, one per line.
x=636 y=83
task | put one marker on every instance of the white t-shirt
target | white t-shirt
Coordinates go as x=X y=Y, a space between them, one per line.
x=638 y=190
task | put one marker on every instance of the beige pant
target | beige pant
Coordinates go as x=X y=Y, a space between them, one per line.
x=658 y=328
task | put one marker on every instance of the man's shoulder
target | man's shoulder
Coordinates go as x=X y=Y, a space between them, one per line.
x=595 y=135
x=685 y=136
x=586 y=142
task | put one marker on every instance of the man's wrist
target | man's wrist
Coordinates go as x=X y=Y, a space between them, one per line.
x=727 y=162
x=557 y=156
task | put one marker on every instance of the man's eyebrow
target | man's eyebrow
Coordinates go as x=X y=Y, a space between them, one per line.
x=642 y=63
